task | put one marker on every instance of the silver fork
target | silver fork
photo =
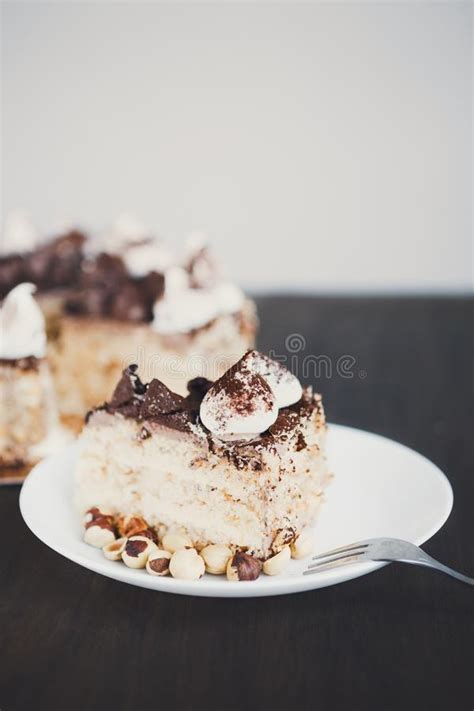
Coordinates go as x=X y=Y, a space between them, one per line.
x=380 y=549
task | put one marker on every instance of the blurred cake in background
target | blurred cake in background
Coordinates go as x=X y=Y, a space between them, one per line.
x=125 y=297
x=29 y=425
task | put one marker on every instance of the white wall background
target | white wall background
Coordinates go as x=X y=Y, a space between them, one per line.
x=322 y=145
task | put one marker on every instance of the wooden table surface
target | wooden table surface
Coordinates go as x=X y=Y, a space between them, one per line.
x=401 y=638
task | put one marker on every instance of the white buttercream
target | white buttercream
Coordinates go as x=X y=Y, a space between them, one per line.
x=181 y=309
x=22 y=327
x=19 y=235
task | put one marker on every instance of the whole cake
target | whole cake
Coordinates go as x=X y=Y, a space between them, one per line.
x=124 y=297
x=29 y=427
x=238 y=463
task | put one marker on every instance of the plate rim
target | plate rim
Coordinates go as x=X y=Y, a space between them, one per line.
x=214 y=586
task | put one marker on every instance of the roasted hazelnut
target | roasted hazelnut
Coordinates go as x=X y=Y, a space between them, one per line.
x=173 y=542
x=114 y=550
x=283 y=538
x=99 y=533
x=216 y=558
x=187 y=564
x=148 y=533
x=95 y=514
x=158 y=563
x=129 y=526
x=243 y=567
x=277 y=563
x=137 y=550
x=303 y=546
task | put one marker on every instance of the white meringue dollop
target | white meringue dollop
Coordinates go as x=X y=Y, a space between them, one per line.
x=125 y=231
x=239 y=406
x=131 y=240
x=182 y=308
x=22 y=326
x=150 y=256
x=246 y=400
x=285 y=385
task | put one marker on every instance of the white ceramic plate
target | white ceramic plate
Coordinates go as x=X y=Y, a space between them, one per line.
x=380 y=488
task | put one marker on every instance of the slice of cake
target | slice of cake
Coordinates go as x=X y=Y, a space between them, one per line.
x=28 y=416
x=239 y=462
x=121 y=298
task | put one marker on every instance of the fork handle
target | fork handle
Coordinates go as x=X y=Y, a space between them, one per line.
x=426 y=560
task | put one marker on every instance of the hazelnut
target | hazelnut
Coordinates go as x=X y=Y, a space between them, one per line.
x=114 y=550
x=148 y=533
x=303 y=546
x=283 y=538
x=99 y=534
x=187 y=564
x=95 y=514
x=243 y=567
x=216 y=558
x=277 y=563
x=158 y=563
x=129 y=526
x=136 y=551
x=173 y=542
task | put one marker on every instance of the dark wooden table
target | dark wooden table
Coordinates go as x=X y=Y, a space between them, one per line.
x=401 y=638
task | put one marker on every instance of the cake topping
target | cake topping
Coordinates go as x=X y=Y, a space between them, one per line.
x=126 y=231
x=160 y=400
x=201 y=264
x=240 y=405
x=22 y=327
x=128 y=387
x=286 y=386
x=197 y=389
x=133 y=242
x=245 y=401
x=195 y=295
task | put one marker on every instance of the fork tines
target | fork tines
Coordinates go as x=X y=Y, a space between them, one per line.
x=338 y=556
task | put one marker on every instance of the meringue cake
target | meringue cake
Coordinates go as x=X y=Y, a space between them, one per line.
x=121 y=298
x=28 y=416
x=239 y=462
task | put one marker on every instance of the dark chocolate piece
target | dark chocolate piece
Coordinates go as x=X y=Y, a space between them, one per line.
x=197 y=388
x=160 y=400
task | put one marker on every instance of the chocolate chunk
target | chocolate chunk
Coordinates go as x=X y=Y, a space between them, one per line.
x=128 y=387
x=124 y=391
x=107 y=271
x=179 y=421
x=160 y=400
x=152 y=286
x=127 y=304
x=57 y=263
x=197 y=388
x=12 y=272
